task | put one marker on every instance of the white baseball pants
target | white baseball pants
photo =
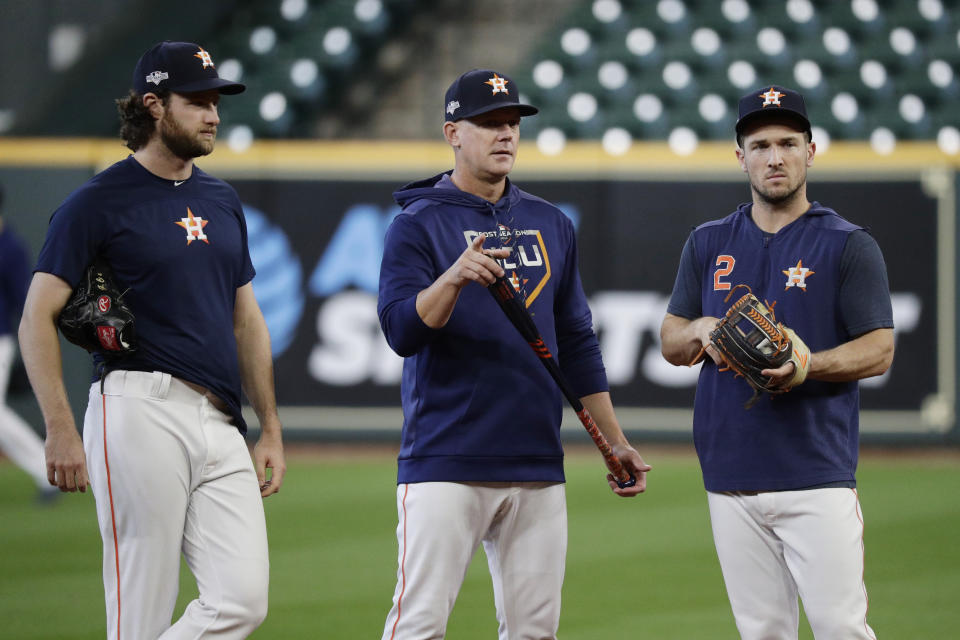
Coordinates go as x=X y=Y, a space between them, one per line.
x=171 y=475
x=17 y=439
x=523 y=528
x=774 y=546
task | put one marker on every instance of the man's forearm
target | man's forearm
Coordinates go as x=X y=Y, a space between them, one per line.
x=256 y=367
x=867 y=355
x=256 y=373
x=40 y=350
x=681 y=339
x=600 y=407
x=435 y=304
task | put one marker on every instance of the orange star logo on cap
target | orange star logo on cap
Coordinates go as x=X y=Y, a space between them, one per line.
x=771 y=97
x=204 y=57
x=499 y=84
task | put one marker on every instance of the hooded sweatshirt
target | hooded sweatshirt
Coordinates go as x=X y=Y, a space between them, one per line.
x=477 y=403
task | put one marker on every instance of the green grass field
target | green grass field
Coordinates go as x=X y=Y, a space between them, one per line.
x=635 y=568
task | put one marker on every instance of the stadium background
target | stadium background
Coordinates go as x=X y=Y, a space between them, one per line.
x=634 y=142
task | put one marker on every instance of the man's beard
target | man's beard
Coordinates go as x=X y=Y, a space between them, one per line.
x=180 y=142
x=777 y=198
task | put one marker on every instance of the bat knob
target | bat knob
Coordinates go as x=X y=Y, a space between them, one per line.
x=629 y=483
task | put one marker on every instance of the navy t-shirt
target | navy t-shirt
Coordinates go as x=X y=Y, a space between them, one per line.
x=181 y=249
x=828 y=281
x=863 y=297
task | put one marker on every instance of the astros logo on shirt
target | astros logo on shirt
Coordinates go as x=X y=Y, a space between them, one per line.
x=797 y=276
x=194 y=226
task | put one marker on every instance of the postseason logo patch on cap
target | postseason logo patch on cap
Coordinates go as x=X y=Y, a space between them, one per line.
x=157 y=77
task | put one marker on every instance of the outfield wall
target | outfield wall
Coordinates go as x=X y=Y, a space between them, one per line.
x=317 y=213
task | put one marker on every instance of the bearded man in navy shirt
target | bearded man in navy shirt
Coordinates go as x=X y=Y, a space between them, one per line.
x=163 y=446
x=780 y=476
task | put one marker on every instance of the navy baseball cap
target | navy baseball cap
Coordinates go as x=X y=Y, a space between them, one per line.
x=180 y=67
x=482 y=90
x=772 y=103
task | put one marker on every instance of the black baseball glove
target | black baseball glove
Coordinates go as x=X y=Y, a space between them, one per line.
x=96 y=318
x=749 y=340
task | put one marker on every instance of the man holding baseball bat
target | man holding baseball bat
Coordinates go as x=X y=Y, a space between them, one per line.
x=481 y=459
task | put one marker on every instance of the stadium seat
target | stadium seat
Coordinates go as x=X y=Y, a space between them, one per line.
x=666 y=18
x=733 y=21
x=945 y=44
x=641 y=47
x=924 y=18
x=863 y=19
x=798 y=20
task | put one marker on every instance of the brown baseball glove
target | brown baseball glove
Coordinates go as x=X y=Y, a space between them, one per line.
x=750 y=340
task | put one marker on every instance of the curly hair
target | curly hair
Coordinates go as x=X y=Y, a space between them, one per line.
x=136 y=123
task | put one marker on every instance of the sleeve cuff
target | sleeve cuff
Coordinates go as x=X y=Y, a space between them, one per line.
x=413 y=334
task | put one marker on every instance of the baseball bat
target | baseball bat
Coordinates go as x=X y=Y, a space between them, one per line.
x=503 y=292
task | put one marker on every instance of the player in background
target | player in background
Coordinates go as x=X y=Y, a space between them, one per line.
x=163 y=431
x=18 y=440
x=780 y=476
x=481 y=460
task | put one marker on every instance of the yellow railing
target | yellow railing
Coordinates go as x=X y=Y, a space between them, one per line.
x=366 y=158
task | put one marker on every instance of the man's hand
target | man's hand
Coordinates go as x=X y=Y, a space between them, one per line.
x=476 y=264
x=794 y=371
x=701 y=329
x=66 y=461
x=268 y=454
x=435 y=303
x=635 y=465
x=781 y=376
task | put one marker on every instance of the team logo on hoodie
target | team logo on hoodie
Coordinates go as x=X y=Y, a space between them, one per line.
x=528 y=263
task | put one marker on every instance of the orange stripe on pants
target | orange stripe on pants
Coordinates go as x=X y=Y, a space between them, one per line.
x=403 y=574
x=113 y=519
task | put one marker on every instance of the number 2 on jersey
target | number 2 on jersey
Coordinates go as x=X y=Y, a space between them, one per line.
x=725 y=266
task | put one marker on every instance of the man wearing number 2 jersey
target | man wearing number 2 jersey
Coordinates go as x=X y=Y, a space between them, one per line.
x=780 y=476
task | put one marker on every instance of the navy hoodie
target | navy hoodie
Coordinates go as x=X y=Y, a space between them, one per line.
x=477 y=403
